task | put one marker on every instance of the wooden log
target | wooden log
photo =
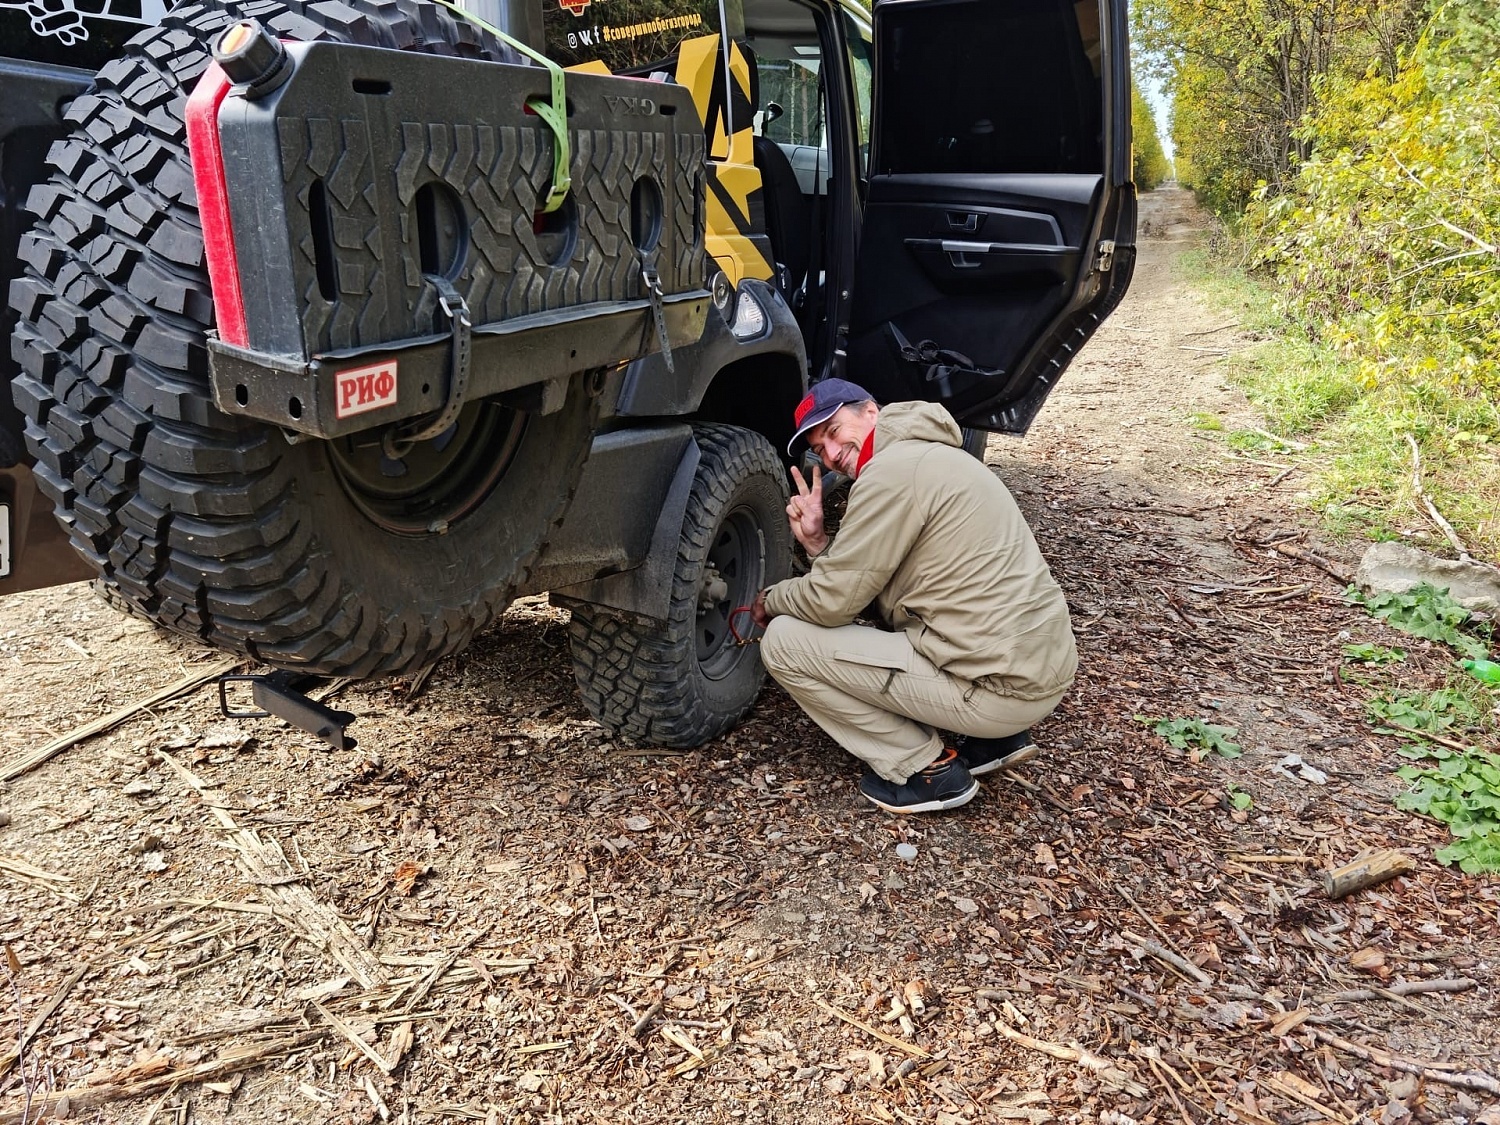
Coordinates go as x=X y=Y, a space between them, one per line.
x=1367 y=872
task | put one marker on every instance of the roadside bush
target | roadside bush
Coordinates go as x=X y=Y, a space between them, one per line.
x=1243 y=75
x=1388 y=243
x=1386 y=246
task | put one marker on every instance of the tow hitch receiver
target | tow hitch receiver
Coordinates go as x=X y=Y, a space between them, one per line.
x=280 y=694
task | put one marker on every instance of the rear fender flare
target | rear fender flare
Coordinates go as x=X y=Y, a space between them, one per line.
x=646 y=590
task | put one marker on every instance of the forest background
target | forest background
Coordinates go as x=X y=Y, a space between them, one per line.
x=1349 y=149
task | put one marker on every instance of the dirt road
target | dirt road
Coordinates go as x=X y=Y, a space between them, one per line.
x=490 y=911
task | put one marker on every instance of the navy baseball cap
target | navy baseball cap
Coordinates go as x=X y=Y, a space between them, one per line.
x=821 y=403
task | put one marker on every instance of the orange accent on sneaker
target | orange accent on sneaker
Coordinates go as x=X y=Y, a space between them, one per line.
x=947 y=756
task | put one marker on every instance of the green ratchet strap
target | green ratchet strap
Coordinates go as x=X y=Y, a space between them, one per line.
x=554 y=114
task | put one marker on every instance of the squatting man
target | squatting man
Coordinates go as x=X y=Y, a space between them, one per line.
x=979 y=641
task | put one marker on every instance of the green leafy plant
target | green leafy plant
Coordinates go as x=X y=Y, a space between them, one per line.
x=1425 y=611
x=1461 y=789
x=1373 y=654
x=1240 y=799
x=1204 y=421
x=1185 y=733
x=1431 y=711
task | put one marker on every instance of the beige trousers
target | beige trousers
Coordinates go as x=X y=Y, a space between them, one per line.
x=880 y=699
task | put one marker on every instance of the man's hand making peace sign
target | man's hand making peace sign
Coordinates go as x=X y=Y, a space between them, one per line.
x=805 y=513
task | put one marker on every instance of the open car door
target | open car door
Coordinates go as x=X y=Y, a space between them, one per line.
x=999 y=221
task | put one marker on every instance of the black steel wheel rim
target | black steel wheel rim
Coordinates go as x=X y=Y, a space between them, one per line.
x=735 y=555
x=434 y=484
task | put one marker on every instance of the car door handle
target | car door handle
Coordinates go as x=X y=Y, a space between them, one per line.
x=955 y=246
x=965 y=255
x=977 y=259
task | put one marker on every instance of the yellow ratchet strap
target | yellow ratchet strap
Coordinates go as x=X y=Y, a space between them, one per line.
x=554 y=114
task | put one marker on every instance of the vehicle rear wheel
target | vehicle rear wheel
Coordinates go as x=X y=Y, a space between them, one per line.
x=684 y=682
x=326 y=557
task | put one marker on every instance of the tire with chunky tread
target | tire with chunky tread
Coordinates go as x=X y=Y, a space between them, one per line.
x=645 y=681
x=213 y=526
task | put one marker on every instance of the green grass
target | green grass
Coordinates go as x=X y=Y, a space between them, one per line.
x=1359 y=473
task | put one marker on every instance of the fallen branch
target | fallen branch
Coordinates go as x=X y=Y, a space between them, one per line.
x=641 y=1024
x=1280 y=1085
x=280 y=885
x=1123 y=893
x=1081 y=1055
x=1037 y=790
x=1211 y=331
x=1403 y=988
x=1467 y=1080
x=1429 y=736
x=1167 y=957
x=59 y=994
x=15 y=867
x=1292 y=551
x=1298 y=446
x=901 y=1044
x=232 y=1061
x=353 y=1037
x=28 y=762
x=430 y=980
x=1291 y=595
x=1437 y=517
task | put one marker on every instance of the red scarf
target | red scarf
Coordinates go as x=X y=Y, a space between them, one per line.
x=866 y=451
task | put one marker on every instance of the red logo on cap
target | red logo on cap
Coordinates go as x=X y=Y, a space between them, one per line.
x=574 y=6
x=804 y=408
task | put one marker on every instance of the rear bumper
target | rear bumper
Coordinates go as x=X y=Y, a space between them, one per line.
x=507 y=356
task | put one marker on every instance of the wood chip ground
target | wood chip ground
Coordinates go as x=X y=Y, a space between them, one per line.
x=491 y=911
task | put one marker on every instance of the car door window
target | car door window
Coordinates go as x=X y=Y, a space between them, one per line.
x=783 y=39
x=992 y=88
x=857 y=40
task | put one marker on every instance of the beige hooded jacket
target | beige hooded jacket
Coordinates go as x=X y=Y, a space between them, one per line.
x=937 y=541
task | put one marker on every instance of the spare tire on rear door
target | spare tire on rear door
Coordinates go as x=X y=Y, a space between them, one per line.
x=330 y=557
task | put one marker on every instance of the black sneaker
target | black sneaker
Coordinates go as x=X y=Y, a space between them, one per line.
x=943 y=785
x=985 y=755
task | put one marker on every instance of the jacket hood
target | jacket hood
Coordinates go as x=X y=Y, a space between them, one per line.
x=916 y=421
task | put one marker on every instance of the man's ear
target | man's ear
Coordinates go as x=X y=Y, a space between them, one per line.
x=871 y=410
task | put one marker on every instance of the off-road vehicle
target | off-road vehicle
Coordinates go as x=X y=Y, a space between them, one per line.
x=934 y=200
